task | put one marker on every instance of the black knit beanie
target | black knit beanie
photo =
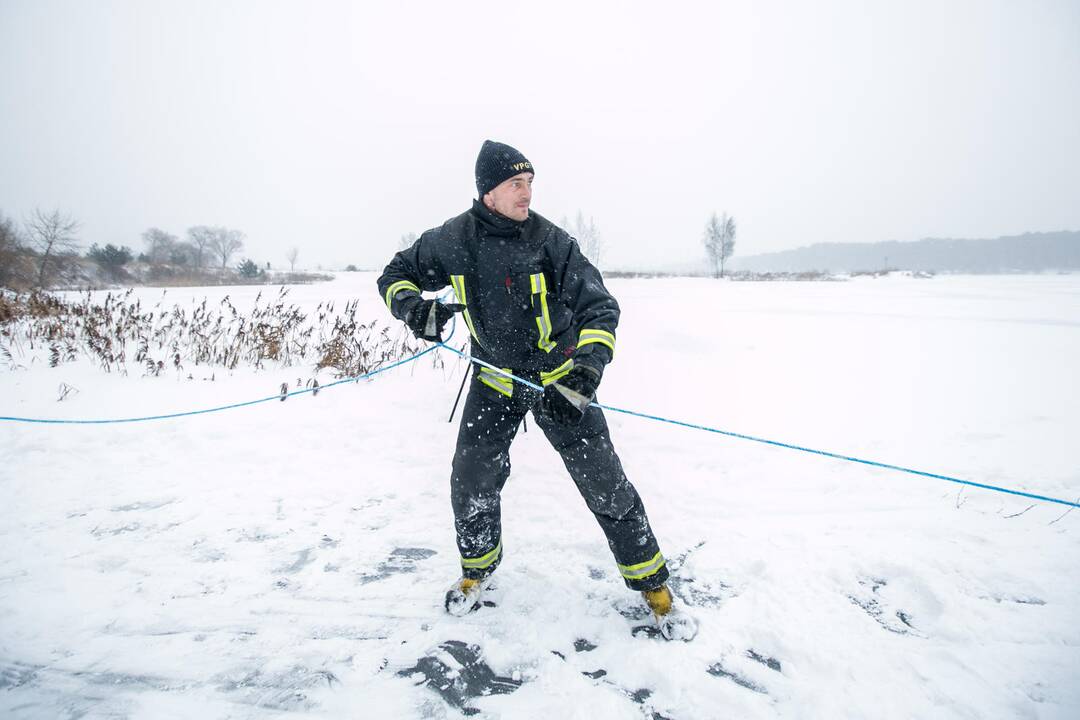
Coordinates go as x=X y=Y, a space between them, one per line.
x=498 y=162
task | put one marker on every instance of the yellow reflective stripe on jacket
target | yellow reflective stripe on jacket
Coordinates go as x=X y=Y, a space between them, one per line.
x=538 y=285
x=458 y=282
x=603 y=337
x=643 y=570
x=496 y=381
x=484 y=561
x=546 y=378
x=398 y=287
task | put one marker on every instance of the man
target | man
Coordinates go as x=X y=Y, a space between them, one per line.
x=535 y=307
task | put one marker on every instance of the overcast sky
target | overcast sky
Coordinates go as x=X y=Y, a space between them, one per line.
x=337 y=127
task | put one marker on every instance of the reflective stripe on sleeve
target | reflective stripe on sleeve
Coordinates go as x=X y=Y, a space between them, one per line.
x=398 y=287
x=603 y=337
x=643 y=570
x=546 y=378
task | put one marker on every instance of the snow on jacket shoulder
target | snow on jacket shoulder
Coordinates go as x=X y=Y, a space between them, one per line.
x=533 y=300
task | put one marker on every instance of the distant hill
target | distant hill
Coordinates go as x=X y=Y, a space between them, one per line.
x=1031 y=252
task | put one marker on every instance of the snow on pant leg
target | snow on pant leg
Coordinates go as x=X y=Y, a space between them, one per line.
x=481 y=466
x=590 y=457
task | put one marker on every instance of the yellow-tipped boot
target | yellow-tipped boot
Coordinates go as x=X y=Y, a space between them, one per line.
x=464 y=596
x=673 y=622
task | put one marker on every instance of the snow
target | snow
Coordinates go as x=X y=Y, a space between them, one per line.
x=289 y=559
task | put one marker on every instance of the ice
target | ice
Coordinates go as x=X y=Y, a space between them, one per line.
x=290 y=558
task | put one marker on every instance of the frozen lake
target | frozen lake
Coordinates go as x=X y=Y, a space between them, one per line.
x=289 y=559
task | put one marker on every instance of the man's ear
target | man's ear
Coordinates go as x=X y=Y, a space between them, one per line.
x=489 y=202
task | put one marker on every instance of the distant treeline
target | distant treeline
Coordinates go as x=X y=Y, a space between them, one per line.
x=1031 y=252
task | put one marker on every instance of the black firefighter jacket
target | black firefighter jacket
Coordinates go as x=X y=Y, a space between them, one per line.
x=534 y=302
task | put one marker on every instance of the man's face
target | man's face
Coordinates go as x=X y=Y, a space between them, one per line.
x=511 y=197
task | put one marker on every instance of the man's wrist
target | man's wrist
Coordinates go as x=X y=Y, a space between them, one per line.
x=594 y=356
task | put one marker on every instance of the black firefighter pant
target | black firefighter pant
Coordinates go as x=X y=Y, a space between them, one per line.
x=482 y=464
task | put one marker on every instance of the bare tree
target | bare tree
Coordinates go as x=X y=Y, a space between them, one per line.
x=184 y=254
x=160 y=245
x=200 y=237
x=719 y=241
x=727 y=244
x=712 y=239
x=291 y=257
x=10 y=251
x=226 y=243
x=588 y=237
x=9 y=233
x=51 y=235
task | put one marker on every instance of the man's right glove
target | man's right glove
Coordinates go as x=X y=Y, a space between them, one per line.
x=567 y=399
x=427 y=318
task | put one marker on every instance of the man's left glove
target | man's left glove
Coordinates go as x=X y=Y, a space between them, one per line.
x=567 y=399
x=428 y=317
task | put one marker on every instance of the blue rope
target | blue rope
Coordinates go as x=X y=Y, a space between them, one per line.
x=223 y=407
x=279 y=396
x=539 y=388
x=775 y=443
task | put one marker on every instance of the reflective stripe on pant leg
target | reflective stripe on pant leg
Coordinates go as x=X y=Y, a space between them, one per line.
x=590 y=458
x=489 y=421
x=484 y=561
x=640 y=571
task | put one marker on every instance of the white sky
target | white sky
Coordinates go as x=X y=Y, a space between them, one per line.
x=337 y=127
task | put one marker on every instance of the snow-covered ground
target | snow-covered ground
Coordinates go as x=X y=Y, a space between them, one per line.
x=289 y=559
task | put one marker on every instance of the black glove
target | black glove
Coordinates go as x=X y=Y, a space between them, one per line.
x=567 y=399
x=428 y=317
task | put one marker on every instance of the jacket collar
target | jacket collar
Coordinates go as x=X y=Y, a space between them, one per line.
x=495 y=224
